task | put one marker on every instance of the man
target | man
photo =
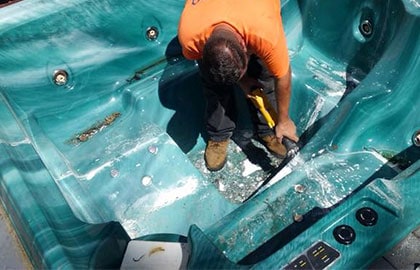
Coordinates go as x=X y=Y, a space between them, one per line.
x=238 y=42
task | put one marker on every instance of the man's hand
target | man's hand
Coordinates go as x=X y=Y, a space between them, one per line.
x=287 y=129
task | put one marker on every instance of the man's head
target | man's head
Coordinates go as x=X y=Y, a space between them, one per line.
x=224 y=58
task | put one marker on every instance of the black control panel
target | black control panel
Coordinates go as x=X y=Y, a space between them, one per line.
x=319 y=256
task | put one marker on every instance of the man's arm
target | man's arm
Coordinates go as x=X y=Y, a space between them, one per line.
x=285 y=126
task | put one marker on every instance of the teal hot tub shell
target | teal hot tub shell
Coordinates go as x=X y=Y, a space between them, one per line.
x=115 y=152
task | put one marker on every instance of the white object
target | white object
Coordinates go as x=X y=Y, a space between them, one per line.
x=155 y=255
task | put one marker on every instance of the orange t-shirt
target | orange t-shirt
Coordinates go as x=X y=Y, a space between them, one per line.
x=258 y=22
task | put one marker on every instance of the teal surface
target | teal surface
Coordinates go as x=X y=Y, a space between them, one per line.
x=116 y=153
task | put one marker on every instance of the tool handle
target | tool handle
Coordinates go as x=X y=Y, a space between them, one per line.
x=291 y=146
x=261 y=102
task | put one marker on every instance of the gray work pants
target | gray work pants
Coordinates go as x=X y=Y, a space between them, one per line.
x=221 y=113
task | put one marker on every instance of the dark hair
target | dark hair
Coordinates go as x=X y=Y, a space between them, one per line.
x=223 y=59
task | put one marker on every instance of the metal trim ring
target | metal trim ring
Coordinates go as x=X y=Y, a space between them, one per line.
x=366 y=28
x=152 y=33
x=60 y=77
x=416 y=138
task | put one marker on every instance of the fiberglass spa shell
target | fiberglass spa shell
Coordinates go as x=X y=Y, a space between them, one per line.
x=112 y=152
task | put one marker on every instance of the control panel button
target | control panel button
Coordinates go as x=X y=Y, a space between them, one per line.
x=344 y=234
x=321 y=255
x=367 y=216
x=301 y=263
x=318 y=256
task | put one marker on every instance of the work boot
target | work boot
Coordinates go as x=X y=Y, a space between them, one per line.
x=273 y=145
x=216 y=154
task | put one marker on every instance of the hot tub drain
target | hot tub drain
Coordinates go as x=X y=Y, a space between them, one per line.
x=366 y=28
